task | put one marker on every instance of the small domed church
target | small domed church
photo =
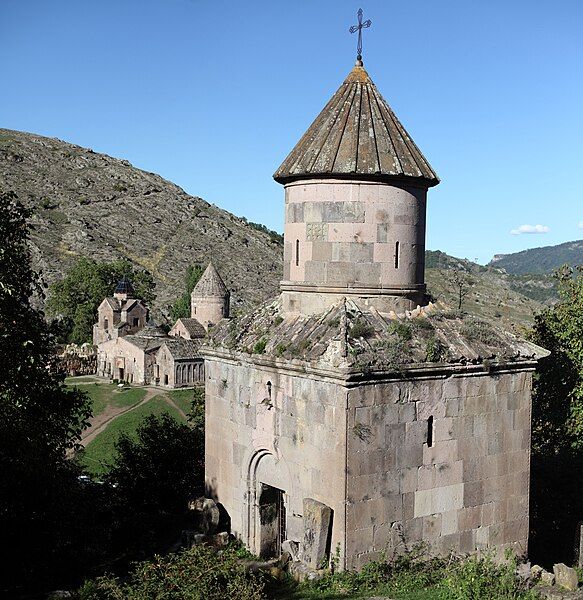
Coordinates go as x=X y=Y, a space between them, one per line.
x=351 y=415
x=132 y=348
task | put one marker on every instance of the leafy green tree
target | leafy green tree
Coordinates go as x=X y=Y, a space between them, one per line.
x=76 y=297
x=558 y=392
x=557 y=424
x=40 y=421
x=181 y=307
x=160 y=468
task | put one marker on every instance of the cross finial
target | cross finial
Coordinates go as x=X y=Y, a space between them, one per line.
x=359 y=28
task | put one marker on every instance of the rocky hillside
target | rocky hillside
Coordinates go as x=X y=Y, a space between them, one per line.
x=540 y=260
x=90 y=204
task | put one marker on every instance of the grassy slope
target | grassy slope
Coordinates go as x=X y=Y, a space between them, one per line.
x=182 y=399
x=103 y=395
x=100 y=451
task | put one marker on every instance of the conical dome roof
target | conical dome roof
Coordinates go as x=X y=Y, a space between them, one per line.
x=210 y=284
x=124 y=286
x=357 y=134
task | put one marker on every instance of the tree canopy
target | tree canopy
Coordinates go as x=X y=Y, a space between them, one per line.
x=40 y=419
x=181 y=307
x=76 y=297
x=558 y=398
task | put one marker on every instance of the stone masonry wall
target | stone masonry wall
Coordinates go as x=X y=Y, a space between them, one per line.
x=294 y=440
x=470 y=490
x=347 y=234
x=118 y=353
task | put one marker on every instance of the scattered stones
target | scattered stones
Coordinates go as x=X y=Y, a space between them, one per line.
x=566 y=577
x=301 y=572
x=524 y=571
x=206 y=514
x=59 y=595
x=317 y=521
x=535 y=572
x=547 y=578
x=292 y=548
x=222 y=539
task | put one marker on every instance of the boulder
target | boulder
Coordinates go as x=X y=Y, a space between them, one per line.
x=317 y=523
x=566 y=577
x=207 y=515
x=221 y=539
x=547 y=578
x=535 y=572
x=292 y=548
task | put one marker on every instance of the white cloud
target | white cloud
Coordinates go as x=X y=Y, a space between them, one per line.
x=530 y=229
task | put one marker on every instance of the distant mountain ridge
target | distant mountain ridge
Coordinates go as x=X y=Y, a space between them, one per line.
x=542 y=260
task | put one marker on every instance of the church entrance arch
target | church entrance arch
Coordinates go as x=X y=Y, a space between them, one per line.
x=267 y=496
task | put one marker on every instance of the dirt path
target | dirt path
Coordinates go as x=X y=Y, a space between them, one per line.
x=98 y=423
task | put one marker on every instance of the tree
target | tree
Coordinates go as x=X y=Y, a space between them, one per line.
x=159 y=469
x=558 y=393
x=557 y=423
x=462 y=283
x=76 y=297
x=181 y=307
x=40 y=421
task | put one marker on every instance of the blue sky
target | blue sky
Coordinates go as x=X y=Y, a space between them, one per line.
x=213 y=95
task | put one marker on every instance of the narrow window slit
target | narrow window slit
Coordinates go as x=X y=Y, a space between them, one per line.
x=297 y=253
x=396 y=255
x=430 y=432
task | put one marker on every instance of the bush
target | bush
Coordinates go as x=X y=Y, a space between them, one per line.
x=196 y=574
x=403 y=330
x=479 y=577
x=361 y=329
x=259 y=347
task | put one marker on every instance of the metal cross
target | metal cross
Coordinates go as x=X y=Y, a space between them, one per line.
x=359 y=28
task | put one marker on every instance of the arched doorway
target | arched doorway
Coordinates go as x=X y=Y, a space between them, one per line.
x=267 y=504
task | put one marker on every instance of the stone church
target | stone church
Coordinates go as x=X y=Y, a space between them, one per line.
x=350 y=414
x=131 y=348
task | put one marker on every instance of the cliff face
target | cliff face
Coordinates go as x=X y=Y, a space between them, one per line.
x=93 y=205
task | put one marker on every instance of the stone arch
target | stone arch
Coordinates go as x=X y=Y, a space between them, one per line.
x=263 y=467
x=189 y=377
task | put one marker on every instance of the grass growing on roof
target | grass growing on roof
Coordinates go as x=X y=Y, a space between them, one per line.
x=98 y=454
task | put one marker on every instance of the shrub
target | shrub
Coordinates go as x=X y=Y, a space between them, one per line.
x=479 y=577
x=403 y=330
x=435 y=350
x=361 y=329
x=480 y=331
x=259 y=347
x=196 y=574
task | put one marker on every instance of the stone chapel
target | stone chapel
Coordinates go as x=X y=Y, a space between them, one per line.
x=130 y=348
x=350 y=414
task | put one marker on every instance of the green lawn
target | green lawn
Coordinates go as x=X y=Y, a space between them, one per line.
x=82 y=379
x=103 y=395
x=182 y=399
x=101 y=450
